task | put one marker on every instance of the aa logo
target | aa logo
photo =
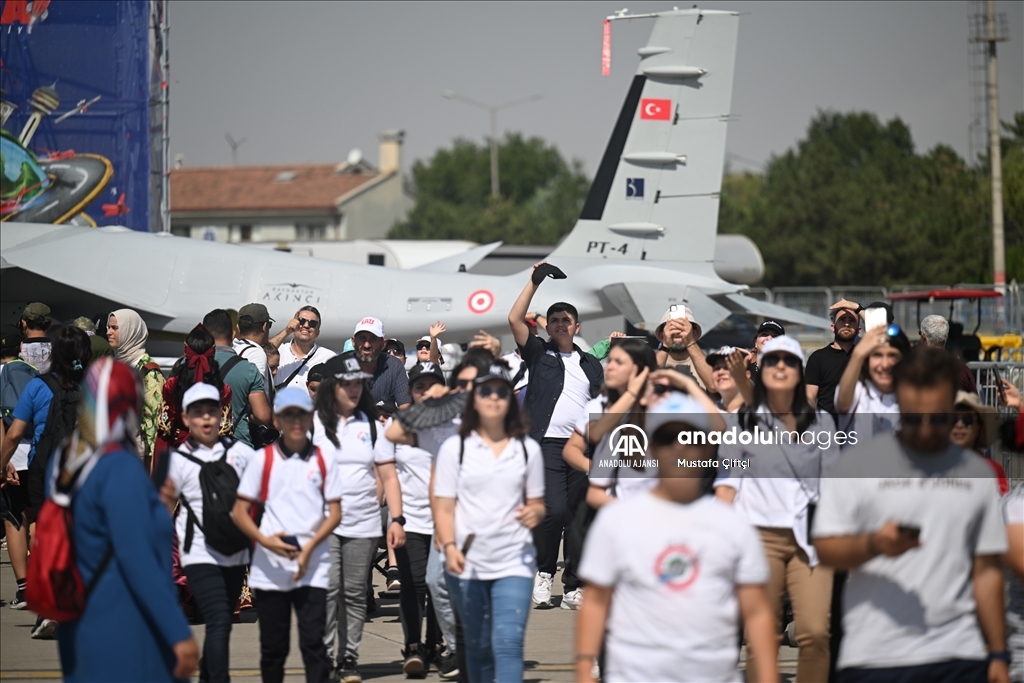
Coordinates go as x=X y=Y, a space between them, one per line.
x=677 y=567
x=628 y=441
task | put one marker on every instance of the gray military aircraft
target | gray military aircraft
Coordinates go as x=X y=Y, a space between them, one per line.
x=645 y=238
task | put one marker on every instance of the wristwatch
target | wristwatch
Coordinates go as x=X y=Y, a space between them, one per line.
x=1003 y=656
x=399 y=520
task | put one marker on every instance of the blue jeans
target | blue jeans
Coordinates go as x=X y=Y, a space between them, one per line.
x=438 y=587
x=493 y=615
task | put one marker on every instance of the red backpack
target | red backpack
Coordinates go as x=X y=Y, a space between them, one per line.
x=54 y=587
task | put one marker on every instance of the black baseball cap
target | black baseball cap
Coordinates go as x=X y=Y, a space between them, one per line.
x=10 y=338
x=316 y=373
x=771 y=326
x=425 y=368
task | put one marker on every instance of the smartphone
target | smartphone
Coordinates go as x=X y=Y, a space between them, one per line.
x=674 y=312
x=292 y=540
x=911 y=531
x=469 y=542
x=875 y=317
x=999 y=384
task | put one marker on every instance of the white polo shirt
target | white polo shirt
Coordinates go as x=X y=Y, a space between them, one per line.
x=295 y=502
x=487 y=491
x=254 y=353
x=360 y=511
x=872 y=413
x=414 y=466
x=185 y=475
x=289 y=362
x=673 y=569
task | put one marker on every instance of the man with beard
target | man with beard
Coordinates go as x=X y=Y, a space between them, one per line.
x=678 y=333
x=389 y=385
x=826 y=365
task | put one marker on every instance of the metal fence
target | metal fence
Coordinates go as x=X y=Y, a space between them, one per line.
x=986 y=375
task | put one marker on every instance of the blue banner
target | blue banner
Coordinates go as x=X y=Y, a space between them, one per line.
x=77 y=85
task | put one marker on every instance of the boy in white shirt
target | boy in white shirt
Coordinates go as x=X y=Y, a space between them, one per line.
x=293 y=481
x=671 y=573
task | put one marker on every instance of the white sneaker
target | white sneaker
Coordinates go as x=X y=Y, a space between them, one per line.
x=542 y=589
x=572 y=599
x=45 y=630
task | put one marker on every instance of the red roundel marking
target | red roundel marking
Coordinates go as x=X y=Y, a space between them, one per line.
x=481 y=301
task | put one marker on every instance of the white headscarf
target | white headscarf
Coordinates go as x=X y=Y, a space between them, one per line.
x=133 y=336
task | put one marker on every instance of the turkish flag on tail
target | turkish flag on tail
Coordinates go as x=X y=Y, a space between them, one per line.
x=656 y=110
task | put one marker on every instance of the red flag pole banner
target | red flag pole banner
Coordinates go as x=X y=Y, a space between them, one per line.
x=606 y=49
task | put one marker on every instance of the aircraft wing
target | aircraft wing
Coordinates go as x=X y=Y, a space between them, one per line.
x=459 y=262
x=738 y=303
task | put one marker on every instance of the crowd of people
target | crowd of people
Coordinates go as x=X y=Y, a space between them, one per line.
x=878 y=533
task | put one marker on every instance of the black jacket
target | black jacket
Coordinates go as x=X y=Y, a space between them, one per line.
x=547 y=377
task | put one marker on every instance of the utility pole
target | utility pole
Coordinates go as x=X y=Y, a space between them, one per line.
x=493 y=109
x=990 y=37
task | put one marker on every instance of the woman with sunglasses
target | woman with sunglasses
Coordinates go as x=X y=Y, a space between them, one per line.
x=975 y=427
x=866 y=395
x=488 y=495
x=777 y=491
x=345 y=428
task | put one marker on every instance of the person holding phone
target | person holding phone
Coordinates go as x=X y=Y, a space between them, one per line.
x=345 y=429
x=777 y=494
x=865 y=399
x=293 y=483
x=215 y=579
x=488 y=495
x=916 y=521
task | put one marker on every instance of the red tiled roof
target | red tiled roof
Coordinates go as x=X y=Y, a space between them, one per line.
x=255 y=188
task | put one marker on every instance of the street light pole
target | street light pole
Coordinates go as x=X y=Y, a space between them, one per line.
x=493 y=110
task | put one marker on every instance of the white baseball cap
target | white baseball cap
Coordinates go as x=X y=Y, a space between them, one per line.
x=784 y=344
x=292 y=397
x=676 y=406
x=200 y=391
x=372 y=325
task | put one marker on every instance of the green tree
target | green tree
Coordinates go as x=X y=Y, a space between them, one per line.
x=541 y=195
x=853 y=203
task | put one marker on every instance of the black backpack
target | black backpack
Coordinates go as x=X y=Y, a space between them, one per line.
x=61 y=420
x=219 y=482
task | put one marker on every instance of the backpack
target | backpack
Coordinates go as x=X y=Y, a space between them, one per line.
x=14 y=377
x=268 y=464
x=219 y=483
x=61 y=420
x=54 y=588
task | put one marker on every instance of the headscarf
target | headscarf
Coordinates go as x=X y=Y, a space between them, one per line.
x=199 y=363
x=133 y=336
x=108 y=418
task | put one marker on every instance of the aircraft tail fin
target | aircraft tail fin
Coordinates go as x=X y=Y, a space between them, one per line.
x=656 y=193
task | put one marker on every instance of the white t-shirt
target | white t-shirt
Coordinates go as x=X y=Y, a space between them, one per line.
x=782 y=481
x=515 y=362
x=185 y=475
x=673 y=569
x=575 y=395
x=360 y=511
x=488 y=491
x=872 y=412
x=254 y=353
x=414 y=466
x=289 y=362
x=917 y=608
x=296 y=495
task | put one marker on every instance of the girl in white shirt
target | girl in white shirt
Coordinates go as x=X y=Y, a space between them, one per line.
x=866 y=397
x=777 y=492
x=488 y=495
x=215 y=578
x=345 y=429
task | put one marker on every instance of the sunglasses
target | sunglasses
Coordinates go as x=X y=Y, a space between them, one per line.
x=486 y=392
x=966 y=420
x=395 y=352
x=309 y=322
x=423 y=345
x=463 y=383
x=916 y=420
x=773 y=359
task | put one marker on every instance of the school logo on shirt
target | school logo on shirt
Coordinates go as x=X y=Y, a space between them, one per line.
x=677 y=567
x=314 y=477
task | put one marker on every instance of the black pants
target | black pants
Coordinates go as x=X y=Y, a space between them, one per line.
x=216 y=590
x=564 y=489
x=836 y=627
x=949 y=671
x=413 y=598
x=274 y=608
x=575 y=536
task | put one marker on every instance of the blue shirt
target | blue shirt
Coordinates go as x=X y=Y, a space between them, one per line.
x=32 y=408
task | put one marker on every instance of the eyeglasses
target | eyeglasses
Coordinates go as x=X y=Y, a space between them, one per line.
x=462 y=383
x=486 y=391
x=309 y=322
x=773 y=359
x=966 y=420
x=916 y=420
